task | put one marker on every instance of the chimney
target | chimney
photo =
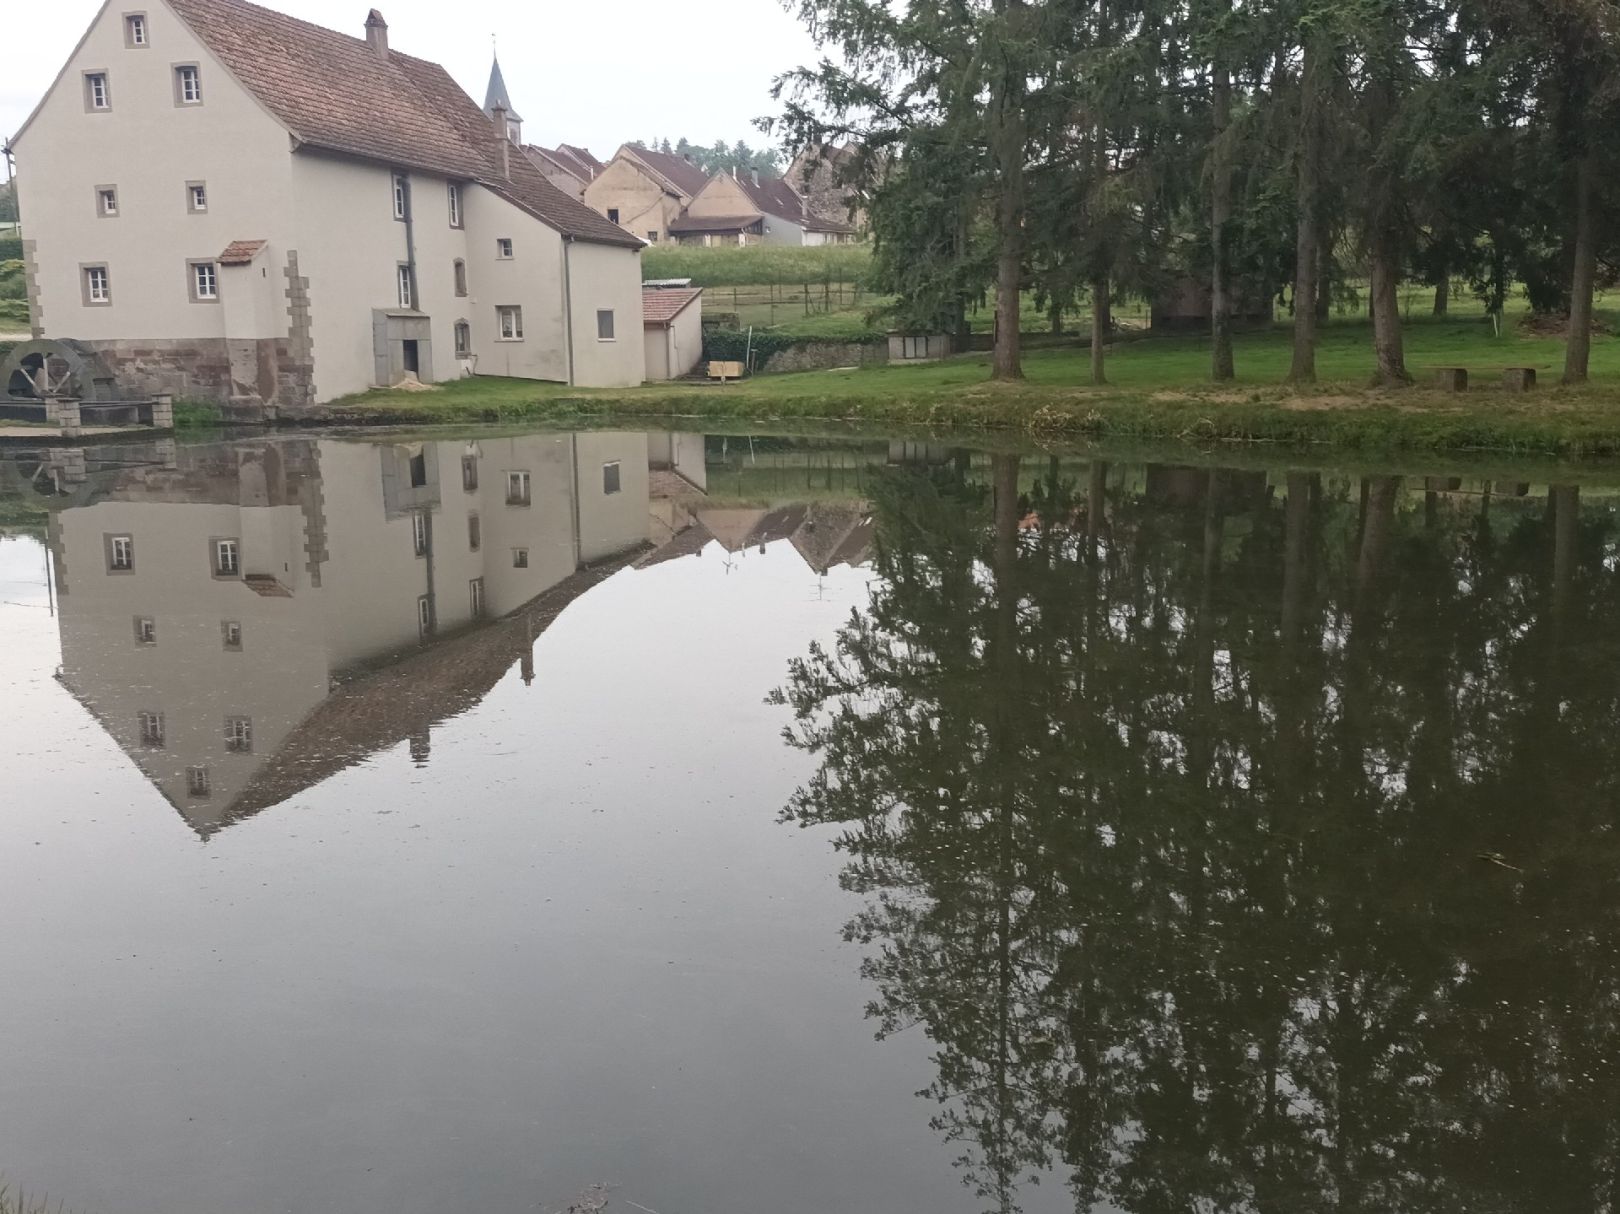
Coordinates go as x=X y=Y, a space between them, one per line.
x=377 y=34
x=503 y=133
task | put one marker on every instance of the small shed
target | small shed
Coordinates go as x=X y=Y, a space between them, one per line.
x=918 y=347
x=672 y=323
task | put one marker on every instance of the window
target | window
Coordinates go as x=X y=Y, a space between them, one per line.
x=204 y=279
x=455 y=205
x=239 y=735
x=469 y=472
x=652 y=237
x=152 y=733
x=510 y=321
x=197 y=782
x=402 y=196
x=610 y=479
x=135 y=31
x=520 y=558
x=424 y=616
x=475 y=533
x=475 y=595
x=97 y=93
x=405 y=294
x=97 y=287
x=604 y=325
x=613 y=214
x=231 y=633
x=145 y=630
x=227 y=558
x=196 y=197
x=419 y=532
x=419 y=470
x=517 y=488
x=503 y=248
x=120 y=554
x=107 y=201
x=463 y=332
x=187 y=84
x=461 y=279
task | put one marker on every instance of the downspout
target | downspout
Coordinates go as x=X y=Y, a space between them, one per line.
x=568 y=306
x=410 y=241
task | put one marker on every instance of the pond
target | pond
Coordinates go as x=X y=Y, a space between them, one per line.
x=749 y=825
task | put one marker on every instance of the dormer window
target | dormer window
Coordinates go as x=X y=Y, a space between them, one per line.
x=135 y=31
x=187 y=84
x=97 y=93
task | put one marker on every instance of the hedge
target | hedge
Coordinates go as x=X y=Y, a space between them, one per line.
x=10 y=248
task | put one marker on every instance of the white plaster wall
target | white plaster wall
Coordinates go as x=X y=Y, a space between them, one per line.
x=532 y=280
x=611 y=523
x=438 y=245
x=686 y=340
x=148 y=148
x=657 y=341
x=605 y=277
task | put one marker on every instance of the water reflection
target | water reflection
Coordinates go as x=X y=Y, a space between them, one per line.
x=1241 y=841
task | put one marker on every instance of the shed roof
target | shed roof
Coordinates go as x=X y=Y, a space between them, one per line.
x=660 y=306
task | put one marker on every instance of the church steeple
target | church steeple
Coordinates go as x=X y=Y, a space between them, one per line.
x=498 y=98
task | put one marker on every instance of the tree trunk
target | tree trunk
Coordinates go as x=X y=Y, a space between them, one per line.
x=1307 y=250
x=1055 y=315
x=1442 y=295
x=1220 y=308
x=1578 y=346
x=1386 y=310
x=1099 y=329
x=1007 y=99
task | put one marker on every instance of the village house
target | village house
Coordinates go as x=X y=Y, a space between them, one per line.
x=672 y=319
x=571 y=169
x=734 y=209
x=225 y=202
x=645 y=192
x=818 y=174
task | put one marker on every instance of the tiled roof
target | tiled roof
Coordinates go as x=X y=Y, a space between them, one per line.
x=240 y=252
x=336 y=93
x=583 y=155
x=680 y=172
x=714 y=223
x=659 y=307
x=773 y=196
x=568 y=160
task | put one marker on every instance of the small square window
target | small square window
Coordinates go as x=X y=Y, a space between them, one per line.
x=469 y=473
x=227 y=558
x=475 y=533
x=419 y=532
x=231 y=634
x=455 y=205
x=187 y=84
x=503 y=248
x=145 y=630
x=196 y=197
x=613 y=215
x=204 y=279
x=402 y=196
x=652 y=237
x=97 y=92
x=520 y=558
x=610 y=479
x=107 y=201
x=198 y=783
x=475 y=595
x=517 y=488
x=97 y=287
x=136 y=33
x=604 y=325
x=239 y=735
x=153 y=735
x=120 y=554
x=510 y=323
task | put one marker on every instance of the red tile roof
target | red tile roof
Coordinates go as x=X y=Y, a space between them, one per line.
x=680 y=172
x=659 y=307
x=715 y=223
x=240 y=252
x=336 y=93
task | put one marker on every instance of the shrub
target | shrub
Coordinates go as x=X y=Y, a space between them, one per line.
x=10 y=248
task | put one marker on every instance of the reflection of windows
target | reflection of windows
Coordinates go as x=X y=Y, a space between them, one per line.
x=475 y=533
x=152 y=735
x=424 y=616
x=231 y=632
x=121 y=554
x=517 y=488
x=418 y=469
x=610 y=479
x=227 y=558
x=475 y=595
x=239 y=735
x=419 y=532
x=520 y=558
x=469 y=472
x=145 y=630
x=197 y=782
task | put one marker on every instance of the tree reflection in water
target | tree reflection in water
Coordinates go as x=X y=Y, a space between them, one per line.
x=1241 y=842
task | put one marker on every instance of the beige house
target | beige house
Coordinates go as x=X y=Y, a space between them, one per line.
x=645 y=192
x=225 y=202
x=818 y=174
x=672 y=320
x=733 y=209
x=567 y=167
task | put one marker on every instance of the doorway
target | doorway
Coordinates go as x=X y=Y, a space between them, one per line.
x=413 y=357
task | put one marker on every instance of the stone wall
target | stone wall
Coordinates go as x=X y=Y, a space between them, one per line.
x=826 y=356
x=201 y=369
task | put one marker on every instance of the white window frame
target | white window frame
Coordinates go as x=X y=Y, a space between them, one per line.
x=121 y=554
x=137 y=33
x=475 y=597
x=198 y=783
x=205 y=281
x=509 y=322
x=145 y=630
x=519 y=488
x=407 y=297
x=197 y=197
x=402 y=202
x=454 y=192
x=606 y=319
x=187 y=84
x=227 y=558
x=520 y=558
x=505 y=250
x=97 y=92
x=424 y=615
x=419 y=532
x=97 y=286
x=107 y=201
x=154 y=735
x=230 y=635
x=239 y=735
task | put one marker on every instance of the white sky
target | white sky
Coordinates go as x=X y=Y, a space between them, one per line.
x=592 y=73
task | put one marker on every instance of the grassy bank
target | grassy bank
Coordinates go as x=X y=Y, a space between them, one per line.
x=1156 y=391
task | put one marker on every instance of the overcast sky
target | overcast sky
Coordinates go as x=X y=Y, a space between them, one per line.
x=591 y=73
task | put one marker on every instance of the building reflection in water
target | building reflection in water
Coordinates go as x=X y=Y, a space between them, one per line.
x=1240 y=841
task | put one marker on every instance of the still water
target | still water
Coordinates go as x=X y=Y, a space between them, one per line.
x=707 y=825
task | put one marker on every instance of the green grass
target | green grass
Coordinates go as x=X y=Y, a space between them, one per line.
x=759 y=264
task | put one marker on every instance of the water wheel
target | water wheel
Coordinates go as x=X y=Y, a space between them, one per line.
x=35 y=370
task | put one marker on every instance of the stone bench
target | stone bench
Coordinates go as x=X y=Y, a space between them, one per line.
x=1519 y=379
x=1455 y=379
